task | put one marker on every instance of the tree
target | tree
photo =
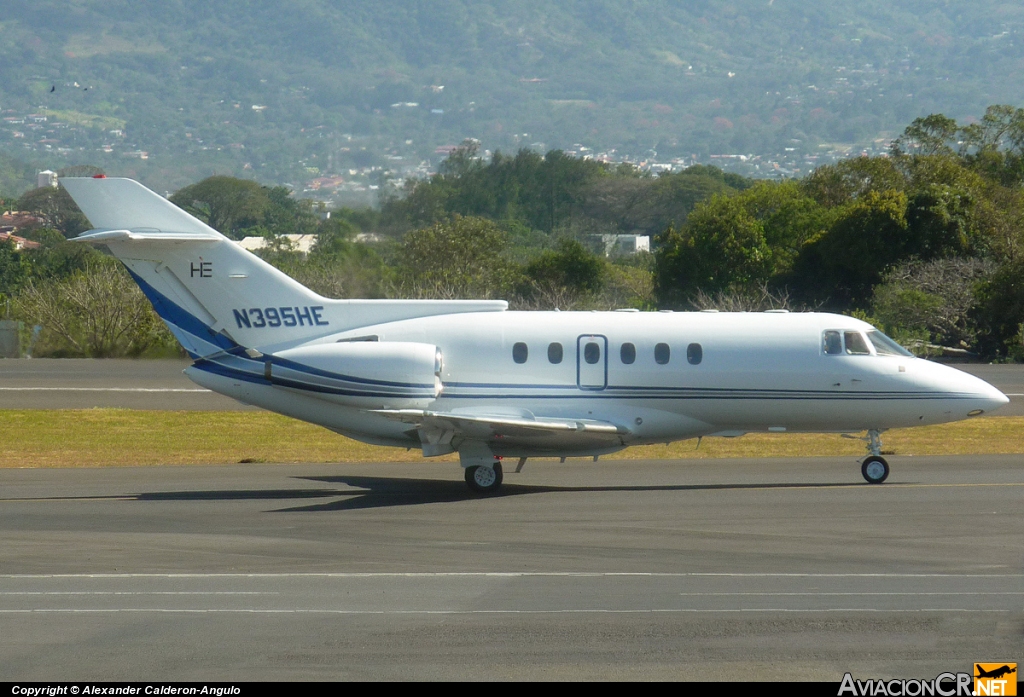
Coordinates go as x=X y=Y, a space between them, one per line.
x=1001 y=311
x=57 y=207
x=937 y=298
x=336 y=267
x=637 y=203
x=460 y=258
x=722 y=247
x=840 y=267
x=840 y=183
x=564 y=276
x=226 y=204
x=79 y=171
x=928 y=135
x=15 y=270
x=96 y=313
x=542 y=192
x=788 y=217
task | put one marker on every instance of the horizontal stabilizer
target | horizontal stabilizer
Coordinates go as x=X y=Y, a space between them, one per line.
x=108 y=236
x=124 y=204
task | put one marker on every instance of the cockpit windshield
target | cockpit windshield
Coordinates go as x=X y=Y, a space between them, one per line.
x=884 y=346
x=853 y=343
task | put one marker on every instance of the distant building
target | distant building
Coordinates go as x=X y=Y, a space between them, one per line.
x=324 y=183
x=19 y=242
x=296 y=243
x=623 y=244
x=15 y=220
x=46 y=178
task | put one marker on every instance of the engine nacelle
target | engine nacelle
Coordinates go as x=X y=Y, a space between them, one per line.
x=370 y=374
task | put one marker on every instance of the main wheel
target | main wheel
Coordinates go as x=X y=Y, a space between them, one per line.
x=875 y=469
x=483 y=479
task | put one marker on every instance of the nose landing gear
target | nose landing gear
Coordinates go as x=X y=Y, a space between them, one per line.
x=874 y=468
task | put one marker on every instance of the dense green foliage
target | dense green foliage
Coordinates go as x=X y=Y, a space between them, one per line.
x=15 y=178
x=926 y=241
x=240 y=208
x=85 y=303
x=555 y=193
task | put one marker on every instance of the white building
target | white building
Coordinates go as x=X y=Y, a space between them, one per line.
x=625 y=244
x=296 y=243
x=46 y=178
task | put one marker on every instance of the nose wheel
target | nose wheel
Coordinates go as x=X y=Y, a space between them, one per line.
x=875 y=469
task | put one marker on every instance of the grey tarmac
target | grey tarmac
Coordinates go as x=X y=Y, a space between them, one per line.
x=84 y=383
x=752 y=569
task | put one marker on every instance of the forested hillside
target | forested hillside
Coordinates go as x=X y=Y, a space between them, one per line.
x=174 y=91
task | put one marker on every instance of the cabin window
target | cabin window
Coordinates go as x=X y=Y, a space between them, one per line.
x=520 y=352
x=694 y=354
x=662 y=354
x=627 y=353
x=591 y=353
x=832 y=343
x=856 y=344
x=555 y=352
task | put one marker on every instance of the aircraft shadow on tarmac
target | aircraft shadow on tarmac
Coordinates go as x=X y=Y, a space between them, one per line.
x=239 y=495
x=383 y=492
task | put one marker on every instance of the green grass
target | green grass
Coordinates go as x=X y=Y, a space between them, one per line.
x=89 y=45
x=78 y=118
x=122 y=437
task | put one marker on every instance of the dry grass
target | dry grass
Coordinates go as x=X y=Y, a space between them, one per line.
x=121 y=437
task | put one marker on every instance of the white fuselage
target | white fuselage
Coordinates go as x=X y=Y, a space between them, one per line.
x=722 y=374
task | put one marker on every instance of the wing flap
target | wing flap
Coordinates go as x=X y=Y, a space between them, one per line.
x=500 y=424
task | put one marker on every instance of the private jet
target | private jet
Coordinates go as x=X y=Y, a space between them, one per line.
x=473 y=378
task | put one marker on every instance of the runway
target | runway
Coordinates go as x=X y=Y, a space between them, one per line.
x=82 y=383
x=724 y=570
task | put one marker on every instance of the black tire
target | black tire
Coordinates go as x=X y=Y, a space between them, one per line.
x=483 y=479
x=875 y=469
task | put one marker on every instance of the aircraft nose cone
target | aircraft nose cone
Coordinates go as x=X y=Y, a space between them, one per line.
x=998 y=399
x=976 y=397
x=989 y=398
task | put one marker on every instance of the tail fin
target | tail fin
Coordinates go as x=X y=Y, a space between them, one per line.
x=213 y=294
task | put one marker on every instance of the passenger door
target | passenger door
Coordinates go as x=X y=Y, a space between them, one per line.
x=592 y=362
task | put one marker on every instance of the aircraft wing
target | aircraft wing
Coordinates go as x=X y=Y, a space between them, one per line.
x=437 y=429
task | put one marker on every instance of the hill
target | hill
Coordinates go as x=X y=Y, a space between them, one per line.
x=339 y=92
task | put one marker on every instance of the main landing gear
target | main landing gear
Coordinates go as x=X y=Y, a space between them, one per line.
x=483 y=479
x=482 y=467
x=874 y=468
